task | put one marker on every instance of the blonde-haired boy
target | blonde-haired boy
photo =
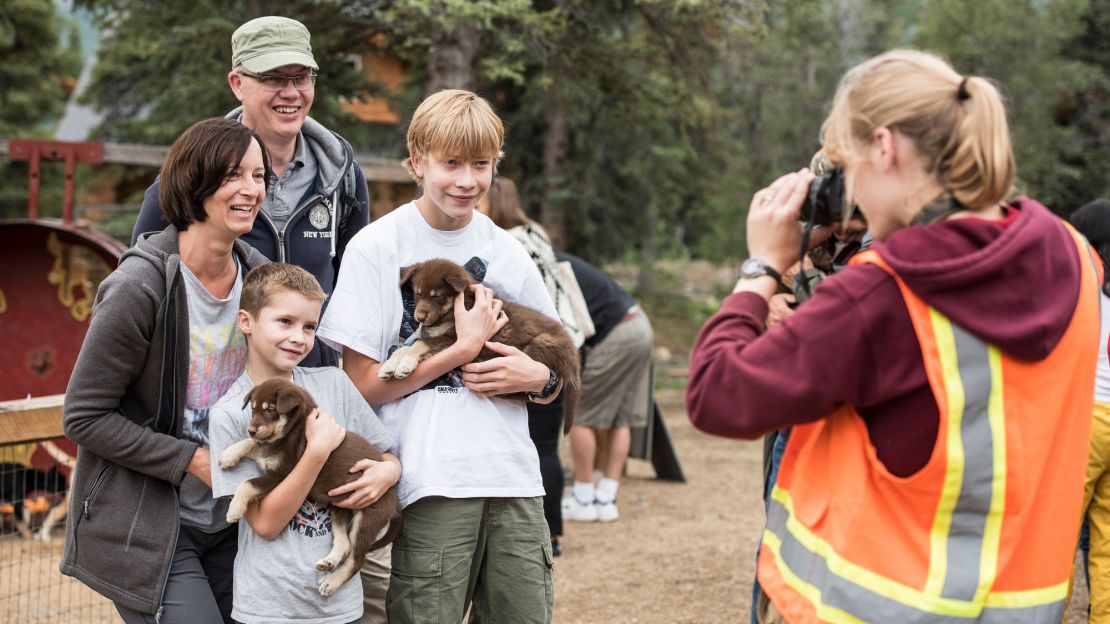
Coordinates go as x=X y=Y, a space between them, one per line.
x=283 y=535
x=474 y=529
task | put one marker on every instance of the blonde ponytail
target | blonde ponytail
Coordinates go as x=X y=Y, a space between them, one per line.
x=980 y=170
x=958 y=124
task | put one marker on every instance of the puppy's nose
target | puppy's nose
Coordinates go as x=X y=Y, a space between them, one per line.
x=252 y=430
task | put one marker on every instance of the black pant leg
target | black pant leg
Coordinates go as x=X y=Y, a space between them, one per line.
x=545 y=426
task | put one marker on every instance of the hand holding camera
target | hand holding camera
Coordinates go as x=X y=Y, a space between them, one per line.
x=774 y=232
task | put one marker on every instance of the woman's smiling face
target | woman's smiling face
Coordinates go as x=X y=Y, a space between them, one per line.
x=235 y=204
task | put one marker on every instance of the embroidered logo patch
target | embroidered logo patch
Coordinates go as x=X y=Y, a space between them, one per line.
x=319 y=216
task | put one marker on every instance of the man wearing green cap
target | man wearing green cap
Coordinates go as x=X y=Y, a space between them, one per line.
x=317 y=198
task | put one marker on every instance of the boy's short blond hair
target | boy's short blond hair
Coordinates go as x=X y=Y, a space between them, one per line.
x=263 y=281
x=457 y=124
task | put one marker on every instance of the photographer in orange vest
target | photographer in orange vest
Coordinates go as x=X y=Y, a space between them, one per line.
x=940 y=387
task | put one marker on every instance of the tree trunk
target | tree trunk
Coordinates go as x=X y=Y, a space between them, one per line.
x=452 y=63
x=648 y=254
x=554 y=150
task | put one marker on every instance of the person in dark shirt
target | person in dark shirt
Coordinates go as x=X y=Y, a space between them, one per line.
x=616 y=391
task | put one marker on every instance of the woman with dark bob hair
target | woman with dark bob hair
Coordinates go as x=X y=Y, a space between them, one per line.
x=939 y=387
x=162 y=346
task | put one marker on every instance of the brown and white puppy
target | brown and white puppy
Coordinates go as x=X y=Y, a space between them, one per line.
x=277 y=441
x=435 y=284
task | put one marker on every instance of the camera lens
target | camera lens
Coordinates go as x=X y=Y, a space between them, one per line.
x=824 y=203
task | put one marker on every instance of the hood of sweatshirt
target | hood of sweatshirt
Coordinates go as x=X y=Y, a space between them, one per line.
x=1014 y=283
x=161 y=250
x=333 y=154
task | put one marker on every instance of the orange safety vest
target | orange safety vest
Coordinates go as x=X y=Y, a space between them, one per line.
x=986 y=531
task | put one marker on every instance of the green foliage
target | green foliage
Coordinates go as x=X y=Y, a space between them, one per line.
x=1021 y=46
x=675 y=111
x=34 y=62
x=164 y=65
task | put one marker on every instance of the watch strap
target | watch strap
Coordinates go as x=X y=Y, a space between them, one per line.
x=764 y=269
x=548 y=390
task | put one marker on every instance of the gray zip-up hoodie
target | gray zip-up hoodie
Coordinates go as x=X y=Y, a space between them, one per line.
x=123 y=408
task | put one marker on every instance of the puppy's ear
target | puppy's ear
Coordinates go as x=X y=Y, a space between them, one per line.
x=407 y=272
x=457 y=281
x=289 y=398
x=247 y=399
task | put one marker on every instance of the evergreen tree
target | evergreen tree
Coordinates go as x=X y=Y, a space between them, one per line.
x=36 y=66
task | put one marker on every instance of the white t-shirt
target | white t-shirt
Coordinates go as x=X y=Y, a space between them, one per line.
x=450 y=441
x=1102 y=370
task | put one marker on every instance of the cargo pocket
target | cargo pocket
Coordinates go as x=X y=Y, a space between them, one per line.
x=549 y=578
x=414 y=585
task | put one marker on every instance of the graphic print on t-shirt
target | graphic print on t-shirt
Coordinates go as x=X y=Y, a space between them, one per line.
x=312 y=519
x=217 y=356
x=477 y=268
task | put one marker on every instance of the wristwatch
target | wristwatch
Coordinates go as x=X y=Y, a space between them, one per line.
x=548 y=390
x=757 y=267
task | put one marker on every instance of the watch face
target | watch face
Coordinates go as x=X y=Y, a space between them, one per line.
x=753 y=267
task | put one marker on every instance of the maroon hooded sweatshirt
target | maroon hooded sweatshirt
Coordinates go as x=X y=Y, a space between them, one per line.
x=1013 y=283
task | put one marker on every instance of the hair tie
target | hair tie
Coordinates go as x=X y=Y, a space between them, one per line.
x=961 y=91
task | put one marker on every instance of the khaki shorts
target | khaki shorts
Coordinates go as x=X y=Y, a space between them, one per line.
x=494 y=551
x=616 y=384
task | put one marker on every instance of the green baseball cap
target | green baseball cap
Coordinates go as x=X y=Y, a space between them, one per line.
x=266 y=43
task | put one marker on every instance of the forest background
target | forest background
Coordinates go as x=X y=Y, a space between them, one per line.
x=638 y=129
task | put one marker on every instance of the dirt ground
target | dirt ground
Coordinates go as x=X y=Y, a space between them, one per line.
x=680 y=553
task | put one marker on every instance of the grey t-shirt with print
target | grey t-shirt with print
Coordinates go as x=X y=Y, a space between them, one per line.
x=275 y=580
x=217 y=356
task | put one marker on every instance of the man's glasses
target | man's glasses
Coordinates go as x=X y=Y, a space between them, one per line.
x=277 y=82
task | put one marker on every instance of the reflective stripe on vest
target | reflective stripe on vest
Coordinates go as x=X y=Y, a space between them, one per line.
x=838 y=588
x=955 y=538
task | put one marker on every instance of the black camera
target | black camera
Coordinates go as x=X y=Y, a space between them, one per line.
x=824 y=204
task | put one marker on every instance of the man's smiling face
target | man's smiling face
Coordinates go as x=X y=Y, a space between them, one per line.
x=277 y=116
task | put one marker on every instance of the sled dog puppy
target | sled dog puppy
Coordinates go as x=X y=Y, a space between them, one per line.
x=435 y=283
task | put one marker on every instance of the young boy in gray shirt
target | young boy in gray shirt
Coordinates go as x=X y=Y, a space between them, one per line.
x=285 y=534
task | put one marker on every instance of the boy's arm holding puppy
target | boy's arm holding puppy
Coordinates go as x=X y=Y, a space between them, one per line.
x=269 y=515
x=377 y=476
x=514 y=373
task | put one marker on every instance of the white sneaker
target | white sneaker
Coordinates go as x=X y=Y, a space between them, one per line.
x=606 y=512
x=576 y=511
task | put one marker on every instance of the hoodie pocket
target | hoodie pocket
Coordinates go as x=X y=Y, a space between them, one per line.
x=86 y=511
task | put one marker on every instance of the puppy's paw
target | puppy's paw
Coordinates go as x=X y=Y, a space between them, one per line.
x=331 y=584
x=44 y=534
x=236 y=509
x=327 y=563
x=228 y=459
x=406 y=366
